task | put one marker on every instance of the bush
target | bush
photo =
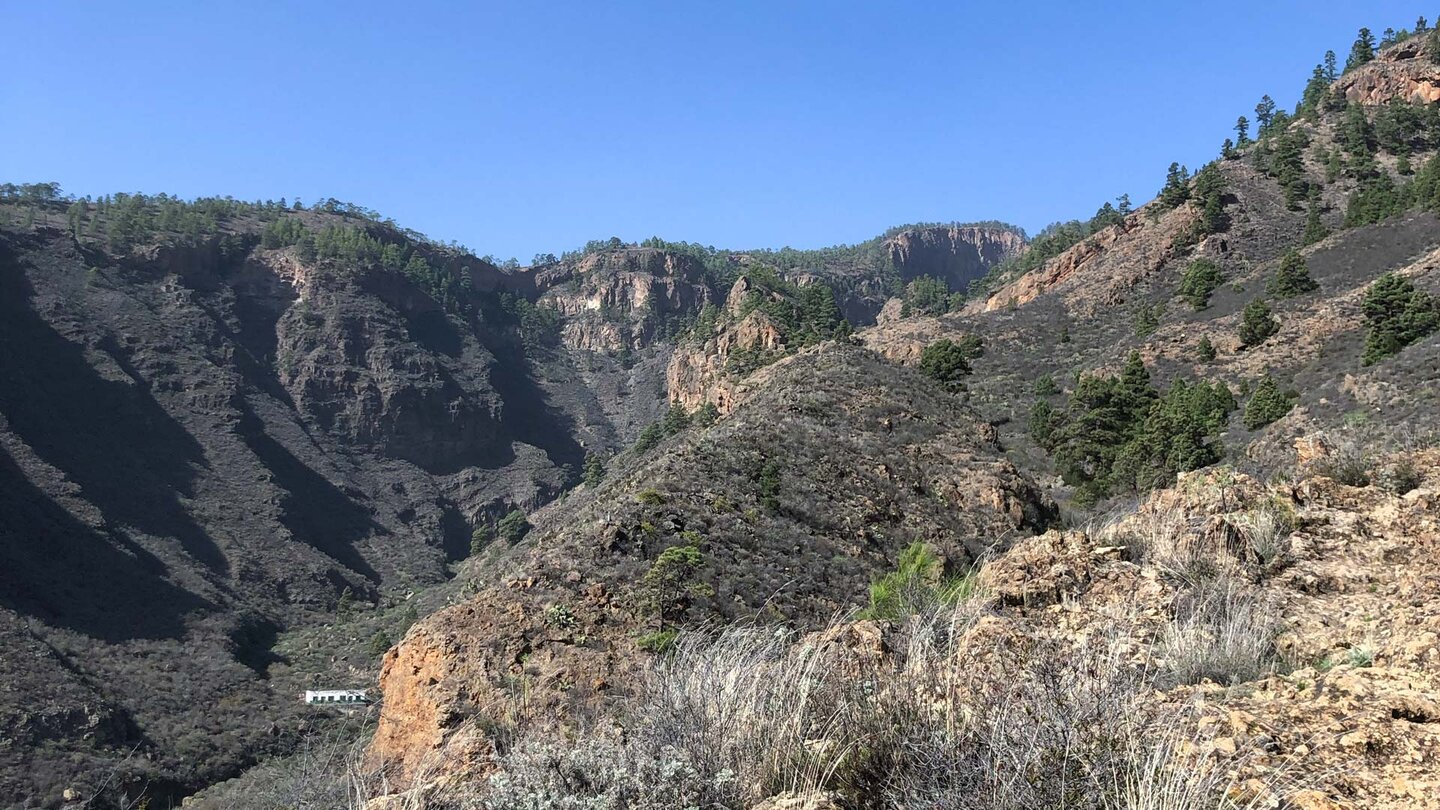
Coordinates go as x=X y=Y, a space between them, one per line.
x=594 y=470
x=1267 y=404
x=1221 y=632
x=1201 y=279
x=513 y=527
x=1045 y=386
x=657 y=642
x=1292 y=278
x=946 y=362
x=1257 y=324
x=1396 y=315
x=1205 y=350
x=916 y=585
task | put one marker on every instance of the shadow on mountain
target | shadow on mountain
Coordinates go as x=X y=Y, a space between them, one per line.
x=315 y=511
x=58 y=570
x=129 y=457
x=530 y=418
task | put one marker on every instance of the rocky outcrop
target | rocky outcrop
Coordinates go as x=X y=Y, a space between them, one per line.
x=623 y=299
x=1405 y=72
x=958 y=254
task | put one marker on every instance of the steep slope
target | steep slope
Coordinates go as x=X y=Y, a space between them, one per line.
x=1119 y=289
x=206 y=444
x=786 y=509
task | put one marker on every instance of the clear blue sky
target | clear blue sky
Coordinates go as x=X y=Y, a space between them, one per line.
x=522 y=127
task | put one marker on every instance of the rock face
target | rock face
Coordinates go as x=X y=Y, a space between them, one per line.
x=1403 y=71
x=623 y=299
x=790 y=506
x=959 y=254
x=203 y=444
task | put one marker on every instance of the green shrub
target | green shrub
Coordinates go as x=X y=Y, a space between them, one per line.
x=594 y=470
x=1045 y=386
x=1257 y=323
x=657 y=642
x=513 y=526
x=917 y=583
x=1147 y=319
x=1267 y=404
x=650 y=497
x=480 y=537
x=1396 y=315
x=946 y=362
x=769 y=484
x=1205 y=350
x=1201 y=279
x=649 y=437
x=379 y=643
x=1292 y=278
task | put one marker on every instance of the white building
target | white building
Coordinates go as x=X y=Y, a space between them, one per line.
x=336 y=697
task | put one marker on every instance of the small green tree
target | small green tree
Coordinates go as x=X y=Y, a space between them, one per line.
x=945 y=361
x=1292 y=278
x=1042 y=424
x=1264 y=115
x=480 y=537
x=1257 y=324
x=1205 y=350
x=1315 y=230
x=1177 y=186
x=649 y=437
x=345 y=605
x=706 y=415
x=1267 y=404
x=926 y=296
x=676 y=419
x=769 y=485
x=1242 y=132
x=379 y=643
x=1362 y=51
x=1397 y=314
x=514 y=526
x=1201 y=279
x=594 y=470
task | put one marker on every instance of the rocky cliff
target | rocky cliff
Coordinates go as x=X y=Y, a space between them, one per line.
x=623 y=300
x=958 y=254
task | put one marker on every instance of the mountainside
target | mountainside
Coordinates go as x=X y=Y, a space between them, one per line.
x=1247 y=297
x=786 y=510
x=664 y=525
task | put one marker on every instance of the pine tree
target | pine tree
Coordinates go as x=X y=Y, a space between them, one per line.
x=1315 y=230
x=594 y=470
x=1200 y=280
x=1267 y=404
x=1257 y=324
x=1292 y=278
x=1315 y=91
x=1362 y=51
x=1331 y=74
x=1421 y=26
x=1397 y=314
x=1177 y=186
x=675 y=420
x=1264 y=115
x=1242 y=132
x=1205 y=350
x=945 y=361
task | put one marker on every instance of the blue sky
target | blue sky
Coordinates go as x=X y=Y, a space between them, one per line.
x=526 y=127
